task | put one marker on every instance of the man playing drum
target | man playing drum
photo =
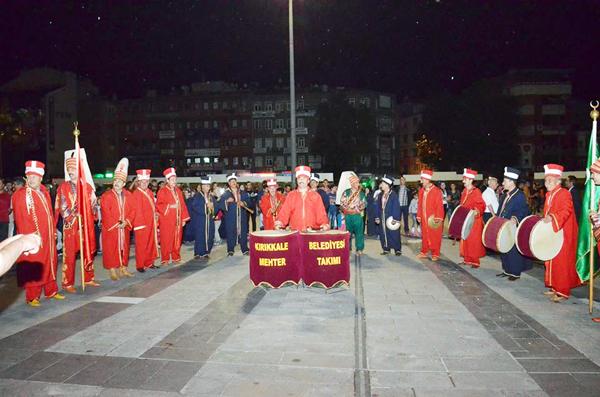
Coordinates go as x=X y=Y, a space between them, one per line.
x=303 y=208
x=430 y=214
x=472 y=248
x=513 y=206
x=561 y=274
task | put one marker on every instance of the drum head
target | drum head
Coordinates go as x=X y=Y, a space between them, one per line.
x=468 y=225
x=544 y=242
x=272 y=233
x=391 y=224
x=505 y=239
x=456 y=222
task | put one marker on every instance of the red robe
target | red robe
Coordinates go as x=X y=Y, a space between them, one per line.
x=172 y=213
x=65 y=207
x=431 y=204
x=472 y=248
x=145 y=228
x=266 y=204
x=115 y=240
x=561 y=274
x=33 y=214
x=303 y=212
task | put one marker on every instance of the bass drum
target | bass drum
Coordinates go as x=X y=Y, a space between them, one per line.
x=537 y=239
x=461 y=223
x=499 y=234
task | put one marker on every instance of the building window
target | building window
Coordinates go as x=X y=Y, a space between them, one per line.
x=225 y=161
x=224 y=105
x=205 y=105
x=245 y=161
x=278 y=106
x=215 y=105
x=244 y=141
x=258 y=143
x=215 y=124
x=268 y=106
x=279 y=123
x=244 y=123
x=366 y=102
x=300 y=104
x=206 y=124
x=234 y=123
x=235 y=161
x=269 y=161
x=258 y=161
x=234 y=142
x=188 y=124
x=301 y=159
x=257 y=107
x=269 y=124
x=301 y=141
x=300 y=122
x=279 y=161
x=279 y=142
x=287 y=106
x=206 y=160
x=268 y=143
x=256 y=124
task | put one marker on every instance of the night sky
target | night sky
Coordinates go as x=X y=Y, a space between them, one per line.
x=415 y=48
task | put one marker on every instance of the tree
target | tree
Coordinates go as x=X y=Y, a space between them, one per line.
x=345 y=135
x=477 y=128
x=429 y=152
x=17 y=130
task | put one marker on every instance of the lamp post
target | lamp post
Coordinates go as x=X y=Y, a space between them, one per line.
x=292 y=92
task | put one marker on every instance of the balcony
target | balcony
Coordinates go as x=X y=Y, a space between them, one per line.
x=259 y=150
x=279 y=131
x=287 y=150
x=302 y=131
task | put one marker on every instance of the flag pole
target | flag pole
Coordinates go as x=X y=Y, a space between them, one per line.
x=594 y=115
x=76 y=133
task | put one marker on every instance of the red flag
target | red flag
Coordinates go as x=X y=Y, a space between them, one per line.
x=85 y=210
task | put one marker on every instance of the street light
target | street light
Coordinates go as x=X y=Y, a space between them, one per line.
x=292 y=92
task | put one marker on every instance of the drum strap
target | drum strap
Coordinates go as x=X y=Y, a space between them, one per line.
x=466 y=196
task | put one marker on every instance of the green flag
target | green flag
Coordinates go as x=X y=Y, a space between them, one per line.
x=584 y=240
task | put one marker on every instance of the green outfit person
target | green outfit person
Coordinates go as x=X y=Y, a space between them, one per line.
x=353 y=204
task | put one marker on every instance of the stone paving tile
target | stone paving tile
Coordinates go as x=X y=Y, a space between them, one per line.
x=560 y=385
x=32 y=365
x=31 y=388
x=558 y=365
x=135 y=374
x=173 y=376
x=101 y=371
x=64 y=369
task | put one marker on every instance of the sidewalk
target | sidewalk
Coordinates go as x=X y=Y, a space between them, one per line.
x=402 y=328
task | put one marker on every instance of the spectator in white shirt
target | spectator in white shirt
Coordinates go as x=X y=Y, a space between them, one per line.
x=490 y=199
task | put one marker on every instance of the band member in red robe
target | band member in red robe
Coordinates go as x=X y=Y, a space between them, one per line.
x=36 y=271
x=561 y=274
x=117 y=221
x=270 y=204
x=172 y=217
x=145 y=223
x=472 y=248
x=66 y=206
x=303 y=209
x=430 y=214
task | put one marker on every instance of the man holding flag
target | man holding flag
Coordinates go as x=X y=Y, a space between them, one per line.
x=588 y=221
x=75 y=202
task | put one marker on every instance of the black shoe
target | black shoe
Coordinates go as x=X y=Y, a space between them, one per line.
x=230 y=254
x=398 y=253
x=502 y=275
x=154 y=267
x=513 y=278
x=246 y=253
x=385 y=253
x=205 y=256
x=142 y=270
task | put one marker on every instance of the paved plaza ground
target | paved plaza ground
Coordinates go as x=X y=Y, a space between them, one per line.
x=404 y=327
